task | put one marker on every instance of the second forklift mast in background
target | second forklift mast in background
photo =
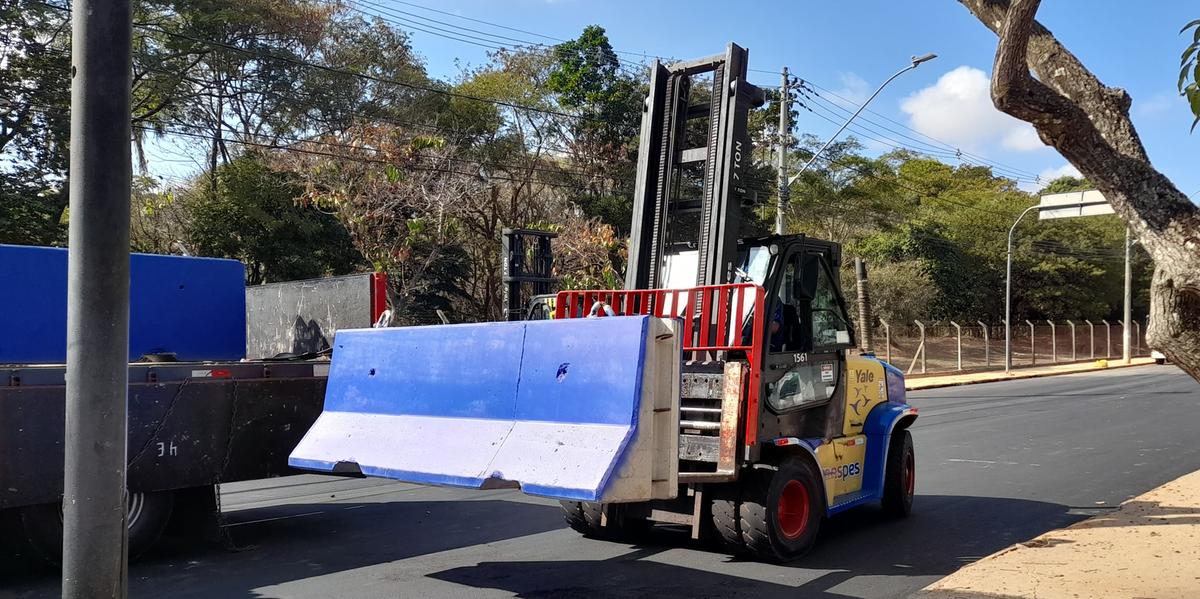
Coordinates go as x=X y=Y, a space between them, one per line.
x=528 y=264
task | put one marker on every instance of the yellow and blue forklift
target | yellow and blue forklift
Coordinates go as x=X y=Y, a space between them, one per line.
x=721 y=389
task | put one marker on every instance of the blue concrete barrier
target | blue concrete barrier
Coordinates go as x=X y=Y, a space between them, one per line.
x=551 y=405
x=192 y=307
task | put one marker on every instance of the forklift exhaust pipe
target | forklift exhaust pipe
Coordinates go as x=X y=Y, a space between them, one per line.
x=864 y=306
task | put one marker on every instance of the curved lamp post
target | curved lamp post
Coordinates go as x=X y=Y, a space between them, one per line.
x=916 y=62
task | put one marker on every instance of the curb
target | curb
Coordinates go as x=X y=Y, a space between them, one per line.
x=921 y=384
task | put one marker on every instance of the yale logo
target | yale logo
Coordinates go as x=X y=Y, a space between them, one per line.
x=864 y=376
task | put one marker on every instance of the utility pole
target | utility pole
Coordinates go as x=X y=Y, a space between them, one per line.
x=94 y=529
x=1125 y=336
x=785 y=105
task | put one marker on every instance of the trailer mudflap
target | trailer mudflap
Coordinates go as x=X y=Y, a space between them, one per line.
x=577 y=409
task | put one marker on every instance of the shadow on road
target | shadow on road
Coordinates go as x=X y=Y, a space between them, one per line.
x=946 y=533
x=295 y=542
x=298 y=542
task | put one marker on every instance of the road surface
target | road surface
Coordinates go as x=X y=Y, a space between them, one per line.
x=997 y=464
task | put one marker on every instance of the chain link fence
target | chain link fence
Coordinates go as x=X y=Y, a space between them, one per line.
x=921 y=347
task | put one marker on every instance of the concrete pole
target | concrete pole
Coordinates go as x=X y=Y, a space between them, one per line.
x=864 y=305
x=785 y=104
x=1107 y=339
x=987 y=345
x=94 y=530
x=958 y=338
x=1032 y=343
x=1053 y=342
x=1072 y=340
x=1125 y=337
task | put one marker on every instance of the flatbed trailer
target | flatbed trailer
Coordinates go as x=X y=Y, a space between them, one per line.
x=192 y=424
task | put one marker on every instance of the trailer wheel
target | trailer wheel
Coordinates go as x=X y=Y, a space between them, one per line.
x=781 y=510
x=900 y=477
x=148 y=515
x=725 y=518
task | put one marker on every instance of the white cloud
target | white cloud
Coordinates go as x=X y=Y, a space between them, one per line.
x=1066 y=170
x=1156 y=105
x=854 y=89
x=958 y=110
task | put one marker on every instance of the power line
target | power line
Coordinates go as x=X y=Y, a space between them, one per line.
x=922 y=134
x=347 y=72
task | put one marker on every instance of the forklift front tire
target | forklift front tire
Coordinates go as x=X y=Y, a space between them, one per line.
x=587 y=518
x=900 y=478
x=726 y=520
x=781 y=510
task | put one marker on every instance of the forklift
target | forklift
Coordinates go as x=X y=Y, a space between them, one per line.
x=720 y=390
x=789 y=426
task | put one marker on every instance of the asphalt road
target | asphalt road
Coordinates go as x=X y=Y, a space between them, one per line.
x=997 y=464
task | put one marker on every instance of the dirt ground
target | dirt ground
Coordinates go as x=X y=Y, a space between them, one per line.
x=1148 y=548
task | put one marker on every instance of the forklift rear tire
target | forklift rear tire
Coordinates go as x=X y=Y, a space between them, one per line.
x=900 y=478
x=781 y=510
x=148 y=515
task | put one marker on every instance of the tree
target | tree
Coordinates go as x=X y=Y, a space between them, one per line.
x=1189 y=71
x=34 y=130
x=250 y=213
x=1089 y=124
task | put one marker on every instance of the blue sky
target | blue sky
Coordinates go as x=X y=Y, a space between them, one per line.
x=848 y=47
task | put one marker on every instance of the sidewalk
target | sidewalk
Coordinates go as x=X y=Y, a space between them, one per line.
x=949 y=380
x=1148 y=548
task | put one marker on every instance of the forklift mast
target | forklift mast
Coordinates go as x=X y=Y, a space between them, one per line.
x=528 y=269
x=692 y=162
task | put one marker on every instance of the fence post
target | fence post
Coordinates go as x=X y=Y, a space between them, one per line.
x=1032 y=346
x=987 y=347
x=958 y=335
x=1092 y=335
x=1107 y=339
x=1124 y=326
x=887 y=340
x=1053 y=342
x=1072 y=340
x=1137 y=338
x=920 y=349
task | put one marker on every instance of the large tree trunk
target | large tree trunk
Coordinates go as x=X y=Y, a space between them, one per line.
x=1089 y=124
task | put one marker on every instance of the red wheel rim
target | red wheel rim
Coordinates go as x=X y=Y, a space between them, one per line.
x=910 y=474
x=792 y=511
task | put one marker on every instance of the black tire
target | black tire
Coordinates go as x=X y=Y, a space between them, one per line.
x=149 y=514
x=781 y=510
x=724 y=507
x=900 y=477
x=587 y=518
x=582 y=516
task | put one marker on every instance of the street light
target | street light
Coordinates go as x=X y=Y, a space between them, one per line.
x=1008 y=292
x=916 y=61
x=1050 y=207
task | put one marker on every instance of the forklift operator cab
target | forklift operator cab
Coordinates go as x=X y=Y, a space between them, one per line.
x=809 y=329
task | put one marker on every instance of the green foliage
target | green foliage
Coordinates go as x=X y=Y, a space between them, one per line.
x=249 y=212
x=1189 y=70
x=1066 y=184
